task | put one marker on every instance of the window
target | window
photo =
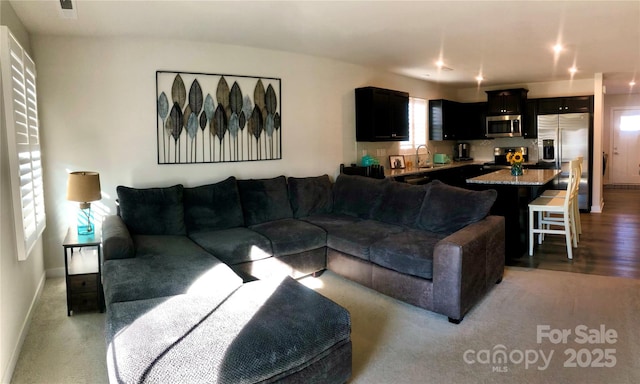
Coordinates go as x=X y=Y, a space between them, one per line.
x=417 y=123
x=23 y=142
x=630 y=123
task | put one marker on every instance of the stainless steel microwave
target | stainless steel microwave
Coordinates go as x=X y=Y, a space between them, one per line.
x=504 y=126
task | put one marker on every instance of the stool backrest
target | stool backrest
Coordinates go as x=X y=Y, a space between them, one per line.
x=574 y=181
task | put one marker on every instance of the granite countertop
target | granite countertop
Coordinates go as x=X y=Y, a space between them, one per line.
x=531 y=177
x=436 y=167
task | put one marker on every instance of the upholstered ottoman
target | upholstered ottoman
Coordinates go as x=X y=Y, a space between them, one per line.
x=266 y=331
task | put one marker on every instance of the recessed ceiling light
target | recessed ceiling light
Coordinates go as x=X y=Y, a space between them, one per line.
x=479 y=78
x=573 y=70
x=557 y=48
x=632 y=83
x=442 y=67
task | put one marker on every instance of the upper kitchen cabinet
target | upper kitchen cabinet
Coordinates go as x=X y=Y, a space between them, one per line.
x=444 y=119
x=450 y=120
x=381 y=115
x=553 y=105
x=473 y=121
x=506 y=102
x=530 y=118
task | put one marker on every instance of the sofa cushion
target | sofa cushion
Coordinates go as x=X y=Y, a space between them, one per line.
x=331 y=221
x=213 y=206
x=447 y=209
x=357 y=195
x=152 y=211
x=264 y=200
x=165 y=266
x=409 y=252
x=265 y=332
x=310 y=195
x=400 y=204
x=289 y=236
x=234 y=245
x=356 y=239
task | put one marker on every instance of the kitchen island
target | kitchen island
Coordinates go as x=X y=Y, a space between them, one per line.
x=530 y=178
x=514 y=195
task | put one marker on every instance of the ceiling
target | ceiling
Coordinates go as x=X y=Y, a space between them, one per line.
x=509 y=42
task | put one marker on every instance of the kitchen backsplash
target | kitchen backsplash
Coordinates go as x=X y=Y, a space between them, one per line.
x=481 y=150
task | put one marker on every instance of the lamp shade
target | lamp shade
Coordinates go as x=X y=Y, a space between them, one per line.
x=83 y=186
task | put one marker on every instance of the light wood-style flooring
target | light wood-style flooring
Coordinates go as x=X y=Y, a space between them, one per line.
x=609 y=244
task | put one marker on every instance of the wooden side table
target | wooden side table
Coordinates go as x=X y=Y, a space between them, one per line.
x=83 y=276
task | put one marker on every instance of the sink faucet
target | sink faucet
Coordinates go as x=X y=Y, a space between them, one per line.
x=418 y=155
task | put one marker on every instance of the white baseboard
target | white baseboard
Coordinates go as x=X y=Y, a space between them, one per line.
x=597 y=208
x=8 y=374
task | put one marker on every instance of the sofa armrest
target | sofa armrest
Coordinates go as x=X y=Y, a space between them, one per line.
x=466 y=264
x=116 y=239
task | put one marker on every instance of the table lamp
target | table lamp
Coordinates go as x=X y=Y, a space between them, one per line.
x=84 y=187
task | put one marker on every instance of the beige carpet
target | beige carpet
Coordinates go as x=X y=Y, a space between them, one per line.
x=398 y=343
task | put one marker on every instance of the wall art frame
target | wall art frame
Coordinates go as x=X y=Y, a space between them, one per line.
x=217 y=118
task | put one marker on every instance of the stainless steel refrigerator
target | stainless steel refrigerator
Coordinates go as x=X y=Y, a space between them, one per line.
x=562 y=138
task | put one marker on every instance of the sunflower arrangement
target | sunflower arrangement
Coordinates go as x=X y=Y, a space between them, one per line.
x=515 y=158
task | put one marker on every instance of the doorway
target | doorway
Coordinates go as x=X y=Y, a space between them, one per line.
x=625 y=157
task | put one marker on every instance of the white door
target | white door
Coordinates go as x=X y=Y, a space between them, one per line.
x=625 y=156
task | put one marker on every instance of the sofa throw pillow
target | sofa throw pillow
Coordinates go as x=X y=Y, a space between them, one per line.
x=152 y=211
x=213 y=206
x=357 y=195
x=310 y=195
x=446 y=209
x=400 y=204
x=264 y=200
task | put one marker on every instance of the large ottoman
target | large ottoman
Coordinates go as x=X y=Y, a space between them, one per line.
x=266 y=331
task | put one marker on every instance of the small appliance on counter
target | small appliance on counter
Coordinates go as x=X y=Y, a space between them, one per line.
x=462 y=152
x=441 y=158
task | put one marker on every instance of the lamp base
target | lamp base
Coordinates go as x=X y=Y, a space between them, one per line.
x=84 y=230
x=85 y=220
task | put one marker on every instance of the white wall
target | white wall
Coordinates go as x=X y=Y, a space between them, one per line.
x=20 y=281
x=98 y=112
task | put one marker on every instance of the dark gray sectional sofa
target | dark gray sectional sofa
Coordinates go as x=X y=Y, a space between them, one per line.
x=199 y=287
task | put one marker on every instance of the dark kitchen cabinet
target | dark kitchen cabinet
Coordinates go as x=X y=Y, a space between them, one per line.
x=381 y=115
x=444 y=119
x=450 y=120
x=553 y=105
x=456 y=176
x=506 y=102
x=530 y=119
x=473 y=126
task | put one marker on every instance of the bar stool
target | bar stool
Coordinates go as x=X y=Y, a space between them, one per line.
x=551 y=193
x=561 y=206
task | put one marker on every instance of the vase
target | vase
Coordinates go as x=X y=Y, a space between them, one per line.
x=516 y=170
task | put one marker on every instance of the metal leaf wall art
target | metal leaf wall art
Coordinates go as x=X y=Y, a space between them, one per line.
x=215 y=122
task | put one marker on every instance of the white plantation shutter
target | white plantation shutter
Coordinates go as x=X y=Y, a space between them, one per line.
x=417 y=124
x=23 y=142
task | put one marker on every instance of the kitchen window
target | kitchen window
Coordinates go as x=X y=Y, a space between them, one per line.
x=417 y=123
x=23 y=142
